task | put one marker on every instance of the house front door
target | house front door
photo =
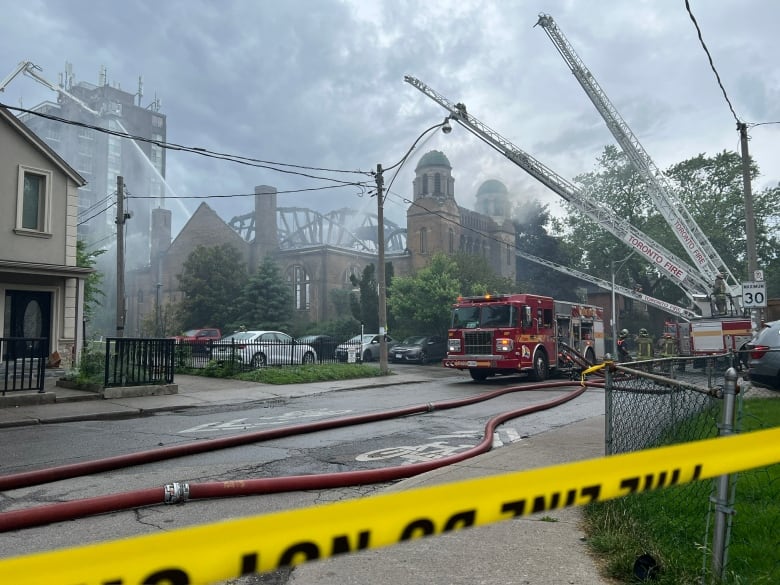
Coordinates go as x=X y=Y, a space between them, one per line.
x=27 y=314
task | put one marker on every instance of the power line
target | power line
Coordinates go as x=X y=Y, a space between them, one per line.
x=712 y=64
x=228 y=196
x=101 y=212
x=244 y=160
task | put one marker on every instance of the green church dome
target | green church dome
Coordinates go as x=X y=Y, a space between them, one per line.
x=492 y=187
x=434 y=158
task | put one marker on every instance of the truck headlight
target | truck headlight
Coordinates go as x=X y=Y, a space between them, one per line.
x=453 y=346
x=504 y=345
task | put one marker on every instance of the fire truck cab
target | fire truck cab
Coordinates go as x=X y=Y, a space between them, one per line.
x=521 y=333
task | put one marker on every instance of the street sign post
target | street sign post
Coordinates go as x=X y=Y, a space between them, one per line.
x=754 y=295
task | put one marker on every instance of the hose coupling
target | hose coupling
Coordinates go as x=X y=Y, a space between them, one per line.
x=177 y=493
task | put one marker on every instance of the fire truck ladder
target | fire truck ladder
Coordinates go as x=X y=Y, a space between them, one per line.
x=685 y=228
x=573 y=359
x=682 y=274
x=672 y=309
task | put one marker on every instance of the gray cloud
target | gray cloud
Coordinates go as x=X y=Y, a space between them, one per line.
x=320 y=83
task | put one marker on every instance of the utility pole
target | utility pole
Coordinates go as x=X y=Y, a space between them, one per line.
x=120 y=256
x=380 y=272
x=750 y=219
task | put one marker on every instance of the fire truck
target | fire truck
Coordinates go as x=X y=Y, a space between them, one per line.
x=522 y=333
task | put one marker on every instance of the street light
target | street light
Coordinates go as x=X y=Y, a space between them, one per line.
x=380 y=243
x=614 y=315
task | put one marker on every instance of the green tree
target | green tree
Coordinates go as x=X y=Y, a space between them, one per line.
x=423 y=302
x=476 y=277
x=212 y=278
x=535 y=225
x=365 y=303
x=266 y=300
x=712 y=190
x=92 y=289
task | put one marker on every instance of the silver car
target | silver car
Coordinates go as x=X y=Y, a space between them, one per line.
x=262 y=348
x=764 y=356
x=365 y=347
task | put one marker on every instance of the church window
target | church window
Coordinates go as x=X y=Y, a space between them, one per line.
x=423 y=240
x=301 y=287
x=437 y=184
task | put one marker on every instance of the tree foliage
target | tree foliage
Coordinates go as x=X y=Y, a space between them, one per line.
x=212 y=278
x=421 y=303
x=710 y=188
x=365 y=303
x=535 y=227
x=92 y=289
x=266 y=299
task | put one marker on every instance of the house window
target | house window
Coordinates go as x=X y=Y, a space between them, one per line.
x=301 y=287
x=33 y=200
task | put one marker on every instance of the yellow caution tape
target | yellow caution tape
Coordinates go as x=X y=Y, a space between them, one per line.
x=229 y=549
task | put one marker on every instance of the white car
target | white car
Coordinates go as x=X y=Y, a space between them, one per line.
x=262 y=348
x=366 y=347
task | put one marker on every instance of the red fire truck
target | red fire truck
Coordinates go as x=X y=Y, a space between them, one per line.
x=710 y=336
x=514 y=333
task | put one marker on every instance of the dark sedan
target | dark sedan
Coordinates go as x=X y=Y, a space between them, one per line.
x=764 y=356
x=419 y=349
x=325 y=345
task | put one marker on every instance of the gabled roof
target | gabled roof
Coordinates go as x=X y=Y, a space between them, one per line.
x=31 y=137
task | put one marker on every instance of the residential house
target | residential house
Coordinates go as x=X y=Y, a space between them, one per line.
x=41 y=287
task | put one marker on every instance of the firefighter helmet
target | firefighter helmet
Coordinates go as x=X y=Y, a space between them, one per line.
x=643 y=332
x=624 y=333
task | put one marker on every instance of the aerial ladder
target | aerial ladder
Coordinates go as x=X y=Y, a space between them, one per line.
x=689 y=279
x=669 y=308
x=685 y=228
x=30 y=69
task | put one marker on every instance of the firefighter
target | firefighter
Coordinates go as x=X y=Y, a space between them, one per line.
x=719 y=294
x=669 y=346
x=644 y=343
x=623 y=355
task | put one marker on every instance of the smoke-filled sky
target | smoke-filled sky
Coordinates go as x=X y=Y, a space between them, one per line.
x=319 y=83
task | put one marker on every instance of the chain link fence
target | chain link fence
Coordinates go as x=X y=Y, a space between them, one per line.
x=677 y=400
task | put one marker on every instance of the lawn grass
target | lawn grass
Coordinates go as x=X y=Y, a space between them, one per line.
x=300 y=374
x=671 y=524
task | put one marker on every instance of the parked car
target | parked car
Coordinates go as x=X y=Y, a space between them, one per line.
x=366 y=347
x=199 y=335
x=764 y=356
x=420 y=349
x=263 y=348
x=323 y=344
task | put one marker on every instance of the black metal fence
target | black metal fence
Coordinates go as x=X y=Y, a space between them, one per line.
x=138 y=362
x=23 y=363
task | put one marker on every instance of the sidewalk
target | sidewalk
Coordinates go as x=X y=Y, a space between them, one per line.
x=546 y=549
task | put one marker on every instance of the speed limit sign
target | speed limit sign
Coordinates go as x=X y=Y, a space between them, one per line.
x=754 y=295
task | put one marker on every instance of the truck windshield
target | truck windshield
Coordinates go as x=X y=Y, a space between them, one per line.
x=483 y=316
x=498 y=316
x=465 y=318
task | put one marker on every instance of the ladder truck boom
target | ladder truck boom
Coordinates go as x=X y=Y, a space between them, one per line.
x=670 y=308
x=678 y=271
x=30 y=69
x=685 y=228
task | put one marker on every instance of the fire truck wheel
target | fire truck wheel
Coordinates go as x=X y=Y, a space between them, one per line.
x=478 y=375
x=541 y=367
